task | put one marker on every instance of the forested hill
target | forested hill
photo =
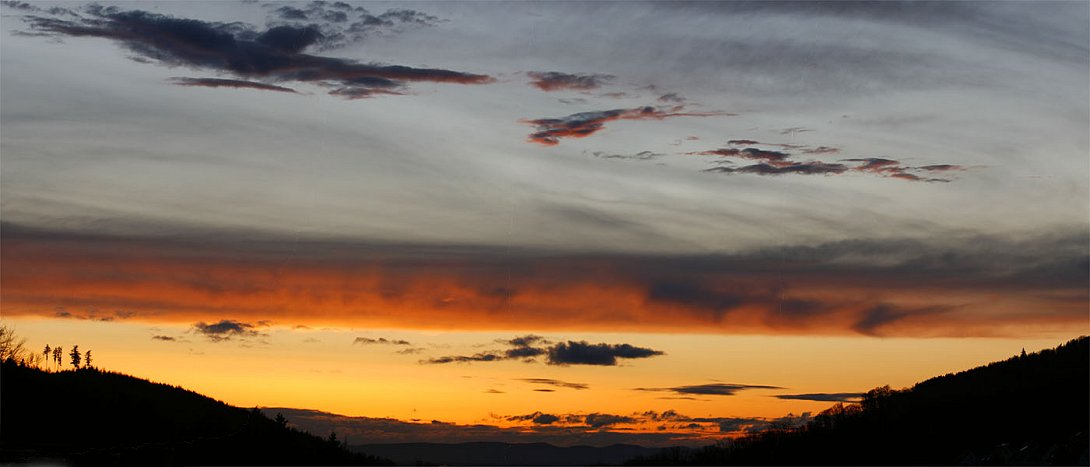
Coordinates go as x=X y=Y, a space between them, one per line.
x=92 y=417
x=1028 y=410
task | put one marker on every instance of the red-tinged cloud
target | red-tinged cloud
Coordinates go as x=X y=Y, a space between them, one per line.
x=556 y=81
x=967 y=286
x=229 y=83
x=580 y=125
x=273 y=55
x=893 y=169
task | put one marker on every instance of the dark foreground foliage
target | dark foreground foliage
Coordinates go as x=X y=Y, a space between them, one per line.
x=93 y=417
x=1028 y=410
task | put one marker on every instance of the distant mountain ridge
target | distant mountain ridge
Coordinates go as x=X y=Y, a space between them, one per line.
x=1027 y=410
x=92 y=417
x=494 y=453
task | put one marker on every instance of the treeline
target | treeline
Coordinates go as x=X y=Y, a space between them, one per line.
x=13 y=349
x=1028 y=410
x=87 y=416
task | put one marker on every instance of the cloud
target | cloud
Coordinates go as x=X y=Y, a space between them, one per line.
x=987 y=284
x=555 y=382
x=713 y=389
x=639 y=156
x=563 y=353
x=229 y=83
x=599 y=420
x=824 y=397
x=803 y=168
x=536 y=418
x=478 y=357
x=885 y=314
x=381 y=340
x=164 y=338
x=549 y=131
x=566 y=430
x=582 y=353
x=275 y=54
x=671 y=98
x=781 y=163
x=225 y=330
x=747 y=153
x=555 y=81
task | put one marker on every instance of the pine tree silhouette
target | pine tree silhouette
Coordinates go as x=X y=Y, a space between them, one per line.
x=75 y=356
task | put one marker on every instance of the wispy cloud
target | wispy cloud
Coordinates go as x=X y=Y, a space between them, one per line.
x=555 y=382
x=556 y=81
x=549 y=131
x=713 y=389
x=381 y=340
x=229 y=83
x=824 y=397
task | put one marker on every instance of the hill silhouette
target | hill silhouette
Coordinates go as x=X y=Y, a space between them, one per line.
x=93 y=417
x=497 y=453
x=1028 y=410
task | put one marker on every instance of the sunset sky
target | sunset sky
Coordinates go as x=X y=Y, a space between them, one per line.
x=657 y=223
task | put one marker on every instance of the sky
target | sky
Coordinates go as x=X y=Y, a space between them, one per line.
x=660 y=223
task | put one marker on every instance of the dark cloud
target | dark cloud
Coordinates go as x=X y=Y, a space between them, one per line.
x=545 y=390
x=556 y=81
x=164 y=338
x=381 y=340
x=537 y=418
x=802 y=168
x=747 y=153
x=341 y=25
x=696 y=295
x=940 y=167
x=885 y=314
x=780 y=163
x=583 y=353
x=713 y=389
x=229 y=83
x=411 y=351
x=478 y=357
x=271 y=55
x=524 y=347
x=583 y=124
x=555 y=382
x=225 y=330
x=821 y=150
x=824 y=397
x=563 y=353
x=599 y=420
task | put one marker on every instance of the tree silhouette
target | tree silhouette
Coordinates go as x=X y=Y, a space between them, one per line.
x=11 y=347
x=57 y=352
x=87 y=360
x=280 y=420
x=333 y=439
x=75 y=356
x=47 y=353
